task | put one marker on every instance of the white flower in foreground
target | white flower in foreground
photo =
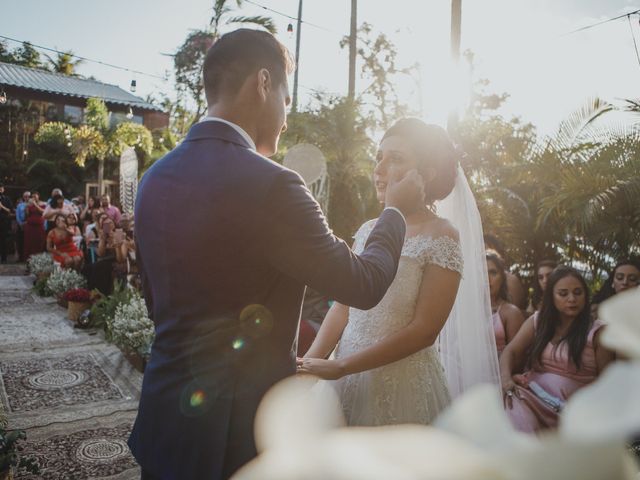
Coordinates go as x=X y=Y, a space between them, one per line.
x=621 y=313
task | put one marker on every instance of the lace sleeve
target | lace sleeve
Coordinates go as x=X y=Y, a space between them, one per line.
x=361 y=236
x=445 y=252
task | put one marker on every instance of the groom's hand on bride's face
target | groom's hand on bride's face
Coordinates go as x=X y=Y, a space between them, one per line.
x=405 y=193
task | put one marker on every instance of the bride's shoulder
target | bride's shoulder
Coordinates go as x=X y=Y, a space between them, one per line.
x=441 y=228
x=366 y=227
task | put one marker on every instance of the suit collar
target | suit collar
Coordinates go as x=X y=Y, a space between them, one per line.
x=217 y=130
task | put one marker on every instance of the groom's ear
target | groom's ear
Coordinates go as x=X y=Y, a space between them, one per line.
x=264 y=83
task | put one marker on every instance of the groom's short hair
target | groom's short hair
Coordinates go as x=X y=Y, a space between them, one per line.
x=238 y=54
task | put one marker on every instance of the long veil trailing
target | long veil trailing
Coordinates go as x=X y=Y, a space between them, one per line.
x=467 y=343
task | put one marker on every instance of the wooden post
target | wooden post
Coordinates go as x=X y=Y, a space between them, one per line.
x=294 y=101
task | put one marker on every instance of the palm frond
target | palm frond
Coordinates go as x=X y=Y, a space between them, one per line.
x=574 y=126
x=265 y=22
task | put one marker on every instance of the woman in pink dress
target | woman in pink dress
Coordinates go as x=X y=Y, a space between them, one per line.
x=560 y=348
x=507 y=318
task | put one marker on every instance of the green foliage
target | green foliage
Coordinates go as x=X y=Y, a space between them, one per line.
x=129 y=134
x=97 y=115
x=188 y=62
x=10 y=452
x=62 y=280
x=64 y=63
x=54 y=133
x=41 y=288
x=104 y=309
x=88 y=142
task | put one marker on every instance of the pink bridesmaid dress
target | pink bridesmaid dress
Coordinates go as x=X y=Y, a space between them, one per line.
x=559 y=377
x=499 y=331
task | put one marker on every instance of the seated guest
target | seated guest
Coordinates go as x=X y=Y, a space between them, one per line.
x=74 y=230
x=543 y=270
x=625 y=275
x=56 y=206
x=61 y=245
x=507 y=318
x=515 y=289
x=93 y=205
x=562 y=352
x=110 y=210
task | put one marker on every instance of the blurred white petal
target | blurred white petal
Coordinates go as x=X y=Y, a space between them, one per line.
x=479 y=417
x=621 y=313
x=607 y=409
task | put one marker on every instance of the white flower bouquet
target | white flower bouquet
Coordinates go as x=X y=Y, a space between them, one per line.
x=62 y=280
x=130 y=328
x=40 y=263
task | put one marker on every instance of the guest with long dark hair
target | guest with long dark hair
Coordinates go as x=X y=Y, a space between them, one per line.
x=61 y=245
x=507 y=318
x=625 y=275
x=543 y=270
x=560 y=349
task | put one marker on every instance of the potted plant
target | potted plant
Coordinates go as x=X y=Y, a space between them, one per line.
x=62 y=280
x=10 y=458
x=41 y=265
x=132 y=330
x=78 y=300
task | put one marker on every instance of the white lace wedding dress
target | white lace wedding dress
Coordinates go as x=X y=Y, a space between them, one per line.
x=411 y=390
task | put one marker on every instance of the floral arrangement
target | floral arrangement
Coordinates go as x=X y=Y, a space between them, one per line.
x=10 y=457
x=40 y=263
x=130 y=328
x=81 y=295
x=63 y=280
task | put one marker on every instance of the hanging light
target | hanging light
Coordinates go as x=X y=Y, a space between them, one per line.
x=3 y=97
x=290 y=30
x=130 y=113
x=69 y=144
x=133 y=85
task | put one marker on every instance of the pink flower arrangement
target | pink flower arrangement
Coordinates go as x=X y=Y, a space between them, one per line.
x=81 y=295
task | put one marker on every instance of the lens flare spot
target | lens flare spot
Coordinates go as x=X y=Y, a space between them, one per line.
x=197 y=398
x=237 y=344
x=256 y=321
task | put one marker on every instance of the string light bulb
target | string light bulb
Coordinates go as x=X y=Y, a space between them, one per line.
x=290 y=30
x=130 y=113
x=134 y=85
x=3 y=97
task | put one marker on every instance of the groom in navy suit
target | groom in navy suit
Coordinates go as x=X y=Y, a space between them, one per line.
x=227 y=241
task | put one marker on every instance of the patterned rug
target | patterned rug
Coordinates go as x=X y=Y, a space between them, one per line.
x=74 y=394
x=92 y=448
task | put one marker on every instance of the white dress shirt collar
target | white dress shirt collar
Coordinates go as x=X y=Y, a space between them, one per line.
x=237 y=128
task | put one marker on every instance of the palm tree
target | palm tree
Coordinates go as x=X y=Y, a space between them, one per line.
x=64 y=63
x=221 y=17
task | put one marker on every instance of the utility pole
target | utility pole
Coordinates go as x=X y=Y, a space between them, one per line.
x=294 y=101
x=456 y=26
x=352 y=49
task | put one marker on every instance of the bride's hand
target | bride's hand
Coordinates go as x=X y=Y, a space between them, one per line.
x=326 y=369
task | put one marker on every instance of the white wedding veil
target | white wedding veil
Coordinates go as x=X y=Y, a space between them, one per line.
x=467 y=343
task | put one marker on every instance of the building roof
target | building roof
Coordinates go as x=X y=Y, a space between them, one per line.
x=59 y=84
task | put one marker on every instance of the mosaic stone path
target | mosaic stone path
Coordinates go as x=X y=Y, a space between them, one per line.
x=75 y=394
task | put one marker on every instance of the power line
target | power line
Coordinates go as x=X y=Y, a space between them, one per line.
x=49 y=49
x=600 y=23
x=289 y=16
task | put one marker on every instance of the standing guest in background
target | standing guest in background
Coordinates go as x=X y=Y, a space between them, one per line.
x=561 y=349
x=60 y=244
x=57 y=206
x=543 y=270
x=86 y=215
x=515 y=289
x=507 y=318
x=6 y=206
x=111 y=210
x=625 y=275
x=34 y=233
x=21 y=220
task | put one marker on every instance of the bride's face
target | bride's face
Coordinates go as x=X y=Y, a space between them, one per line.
x=394 y=159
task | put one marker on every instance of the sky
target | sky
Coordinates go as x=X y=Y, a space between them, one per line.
x=518 y=45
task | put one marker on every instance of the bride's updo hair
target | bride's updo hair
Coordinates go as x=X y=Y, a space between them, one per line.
x=434 y=149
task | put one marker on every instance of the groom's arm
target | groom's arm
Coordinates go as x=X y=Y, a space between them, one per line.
x=302 y=246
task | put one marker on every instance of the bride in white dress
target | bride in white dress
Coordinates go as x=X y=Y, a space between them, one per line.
x=388 y=365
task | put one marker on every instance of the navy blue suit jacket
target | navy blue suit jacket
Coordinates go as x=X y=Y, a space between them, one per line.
x=227 y=241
